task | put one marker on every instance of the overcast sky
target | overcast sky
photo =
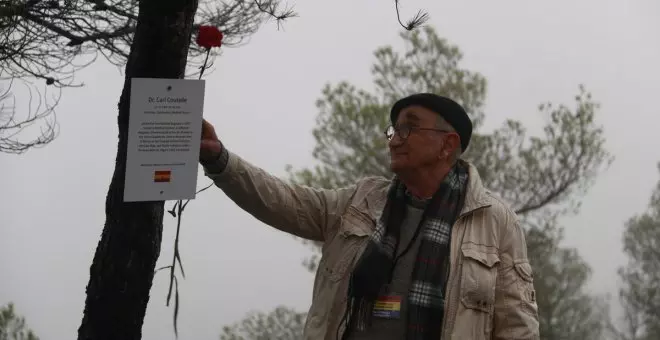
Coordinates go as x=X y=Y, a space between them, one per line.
x=261 y=99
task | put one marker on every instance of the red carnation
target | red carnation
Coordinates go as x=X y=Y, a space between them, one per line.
x=209 y=36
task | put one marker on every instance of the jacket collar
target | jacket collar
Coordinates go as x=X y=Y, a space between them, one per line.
x=477 y=195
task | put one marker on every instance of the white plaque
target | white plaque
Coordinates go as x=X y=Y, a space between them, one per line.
x=164 y=133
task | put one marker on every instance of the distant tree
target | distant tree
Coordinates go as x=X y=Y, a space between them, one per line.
x=542 y=177
x=280 y=324
x=13 y=326
x=640 y=291
x=566 y=310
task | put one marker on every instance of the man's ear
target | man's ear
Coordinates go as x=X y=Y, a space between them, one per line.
x=453 y=142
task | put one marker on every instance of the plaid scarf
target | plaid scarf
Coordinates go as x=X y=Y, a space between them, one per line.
x=375 y=267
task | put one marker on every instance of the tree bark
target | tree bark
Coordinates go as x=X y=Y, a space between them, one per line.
x=122 y=271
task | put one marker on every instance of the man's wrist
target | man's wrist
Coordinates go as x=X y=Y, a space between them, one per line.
x=217 y=165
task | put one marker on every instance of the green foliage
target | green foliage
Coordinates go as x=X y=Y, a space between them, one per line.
x=640 y=292
x=12 y=326
x=280 y=324
x=566 y=311
x=542 y=177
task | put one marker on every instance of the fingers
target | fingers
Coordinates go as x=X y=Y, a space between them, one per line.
x=210 y=146
x=208 y=131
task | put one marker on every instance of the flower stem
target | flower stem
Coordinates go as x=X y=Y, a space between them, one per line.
x=208 y=51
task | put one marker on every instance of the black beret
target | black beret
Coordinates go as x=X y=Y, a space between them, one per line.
x=449 y=110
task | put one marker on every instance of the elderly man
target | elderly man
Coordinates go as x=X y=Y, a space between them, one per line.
x=428 y=254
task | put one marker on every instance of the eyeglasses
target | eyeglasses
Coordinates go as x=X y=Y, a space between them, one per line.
x=404 y=131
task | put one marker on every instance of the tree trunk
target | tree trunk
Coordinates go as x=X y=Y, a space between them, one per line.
x=122 y=271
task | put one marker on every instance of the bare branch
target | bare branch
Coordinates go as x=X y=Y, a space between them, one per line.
x=34 y=128
x=272 y=8
x=418 y=20
x=103 y=36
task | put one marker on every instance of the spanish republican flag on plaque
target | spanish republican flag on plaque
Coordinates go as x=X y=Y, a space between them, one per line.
x=162 y=176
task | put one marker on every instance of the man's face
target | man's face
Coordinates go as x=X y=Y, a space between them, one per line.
x=426 y=144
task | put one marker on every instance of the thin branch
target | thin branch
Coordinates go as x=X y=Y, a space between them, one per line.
x=547 y=198
x=13 y=127
x=418 y=20
x=271 y=8
x=60 y=31
x=103 y=35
